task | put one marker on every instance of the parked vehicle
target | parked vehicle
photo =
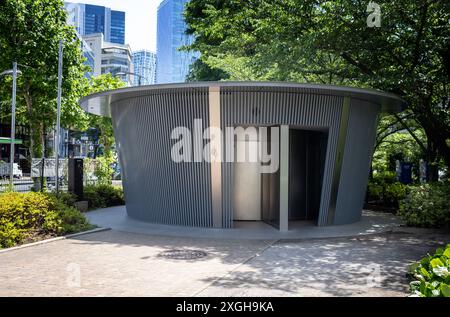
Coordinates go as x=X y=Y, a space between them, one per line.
x=5 y=170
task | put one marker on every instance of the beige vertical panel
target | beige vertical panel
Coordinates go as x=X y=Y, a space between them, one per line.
x=216 y=156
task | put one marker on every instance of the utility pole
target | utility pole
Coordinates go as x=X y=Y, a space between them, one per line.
x=58 y=115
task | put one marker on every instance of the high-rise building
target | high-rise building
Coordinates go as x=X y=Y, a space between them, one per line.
x=144 y=67
x=95 y=43
x=173 y=64
x=117 y=27
x=89 y=55
x=89 y=19
x=111 y=58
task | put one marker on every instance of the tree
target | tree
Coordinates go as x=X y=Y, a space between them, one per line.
x=103 y=127
x=200 y=71
x=103 y=124
x=330 y=42
x=30 y=31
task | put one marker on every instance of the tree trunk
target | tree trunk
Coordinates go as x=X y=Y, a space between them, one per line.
x=437 y=134
x=34 y=134
x=42 y=138
x=29 y=103
x=432 y=154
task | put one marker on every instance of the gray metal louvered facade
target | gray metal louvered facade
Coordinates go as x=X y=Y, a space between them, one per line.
x=196 y=194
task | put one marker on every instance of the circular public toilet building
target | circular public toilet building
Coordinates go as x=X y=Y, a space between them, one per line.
x=208 y=154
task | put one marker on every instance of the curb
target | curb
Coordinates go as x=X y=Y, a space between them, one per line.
x=418 y=230
x=72 y=235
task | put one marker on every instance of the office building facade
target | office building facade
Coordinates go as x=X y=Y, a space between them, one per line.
x=89 y=19
x=89 y=55
x=111 y=58
x=144 y=63
x=173 y=65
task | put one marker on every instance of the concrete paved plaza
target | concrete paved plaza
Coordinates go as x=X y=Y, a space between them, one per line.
x=116 y=218
x=117 y=263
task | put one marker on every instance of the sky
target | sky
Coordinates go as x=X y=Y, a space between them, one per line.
x=140 y=20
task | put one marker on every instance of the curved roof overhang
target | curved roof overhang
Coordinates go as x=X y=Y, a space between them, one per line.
x=99 y=103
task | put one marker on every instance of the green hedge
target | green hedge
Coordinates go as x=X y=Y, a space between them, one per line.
x=102 y=196
x=432 y=275
x=427 y=205
x=30 y=215
x=386 y=194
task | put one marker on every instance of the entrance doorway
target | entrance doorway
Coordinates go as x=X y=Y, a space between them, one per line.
x=307 y=149
x=258 y=196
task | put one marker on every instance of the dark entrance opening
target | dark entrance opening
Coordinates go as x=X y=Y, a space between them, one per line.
x=307 y=150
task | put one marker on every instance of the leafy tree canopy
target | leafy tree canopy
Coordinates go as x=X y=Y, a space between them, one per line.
x=103 y=125
x=200 y=71
x=330 y=42
x=30 y=31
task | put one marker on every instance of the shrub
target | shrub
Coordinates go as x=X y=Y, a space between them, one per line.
x=102 y=196
x=432 y=275
x=386 y=193
x=66 y=198
x=427 y=205
x=374 y=192
x=23 y=215
x=394 y=193
x=103 y=170
x=73 y=221
x=386 y=177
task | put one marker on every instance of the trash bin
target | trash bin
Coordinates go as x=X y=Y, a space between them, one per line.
x=76 y=177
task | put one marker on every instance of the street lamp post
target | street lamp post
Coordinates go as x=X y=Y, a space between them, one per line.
x=14 y=73
x=58 y=116
x=121 y=73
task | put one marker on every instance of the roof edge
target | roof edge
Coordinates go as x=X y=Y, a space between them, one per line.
x=388 y=101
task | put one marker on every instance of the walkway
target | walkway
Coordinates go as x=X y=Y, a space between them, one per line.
x=117 y=263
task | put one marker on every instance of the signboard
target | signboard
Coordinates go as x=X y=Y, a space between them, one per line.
x=8 y=141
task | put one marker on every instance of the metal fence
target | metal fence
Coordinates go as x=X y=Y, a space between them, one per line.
x=41 y=176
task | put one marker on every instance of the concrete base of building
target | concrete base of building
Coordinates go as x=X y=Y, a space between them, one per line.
x=116 y=218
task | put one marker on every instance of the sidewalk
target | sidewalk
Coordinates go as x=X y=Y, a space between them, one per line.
x=114 y=263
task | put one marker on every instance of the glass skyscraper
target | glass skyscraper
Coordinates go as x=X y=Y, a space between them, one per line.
x=90 y=19
x=173 y=65
x=117 y=27
x=145 y=67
